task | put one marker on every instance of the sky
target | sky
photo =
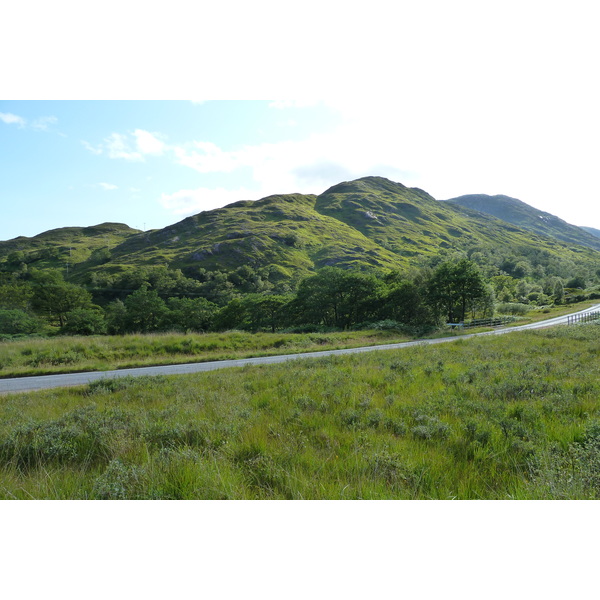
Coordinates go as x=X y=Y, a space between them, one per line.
x=461 y=99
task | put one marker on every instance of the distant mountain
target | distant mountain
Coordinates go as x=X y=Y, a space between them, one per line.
x=593 y=231
x=371 y=222
x=522 y=215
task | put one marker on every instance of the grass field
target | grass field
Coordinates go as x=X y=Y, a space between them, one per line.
x=64 y=354
x=42 y=356
x=509 y=417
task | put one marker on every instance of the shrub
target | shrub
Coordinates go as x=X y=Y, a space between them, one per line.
x=84 y=321
x=430 y=428
x=17 y=322
x=391 y=469
x=119 y=482
x=512 y=308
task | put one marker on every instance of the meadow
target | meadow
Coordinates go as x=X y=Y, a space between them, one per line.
x=70 y=354
x=507 y=417
x=31 y=355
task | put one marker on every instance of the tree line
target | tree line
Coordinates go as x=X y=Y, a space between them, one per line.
x=160 y=299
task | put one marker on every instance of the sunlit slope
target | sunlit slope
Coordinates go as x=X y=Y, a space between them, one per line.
x=371 y=222
x=527 y=217
x=67 y=245
x=283 y=230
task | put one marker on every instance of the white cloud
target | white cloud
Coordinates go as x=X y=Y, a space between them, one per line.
x=43 y=123
x=108 y=186
x=206 y=157
x=131 y=146
x=11 y=119
x=117 y=145
x=39 y=124
x=188 y=202
x=92 y=149
x=148 y=143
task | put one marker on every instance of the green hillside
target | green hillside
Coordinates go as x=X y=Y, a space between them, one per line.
x=368 y=223
x=593 y=231
x=281 y=230
x=68 y=245
x=524 y=216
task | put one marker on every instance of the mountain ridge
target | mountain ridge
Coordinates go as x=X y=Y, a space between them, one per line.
x=527 y=217
x=370 y=222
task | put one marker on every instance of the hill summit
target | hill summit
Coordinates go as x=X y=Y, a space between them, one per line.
x=368 y=223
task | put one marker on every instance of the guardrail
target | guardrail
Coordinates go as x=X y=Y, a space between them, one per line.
x=490 y=322
x=583 y=318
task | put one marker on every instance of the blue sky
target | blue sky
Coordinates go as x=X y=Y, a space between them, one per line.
x=144 y=163
x=453 y=99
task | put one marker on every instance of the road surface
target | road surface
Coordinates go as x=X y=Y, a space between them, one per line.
x=26 y=384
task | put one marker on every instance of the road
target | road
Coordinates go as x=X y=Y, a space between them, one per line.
x=26 y=384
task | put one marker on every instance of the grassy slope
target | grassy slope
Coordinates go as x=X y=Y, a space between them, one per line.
x=72 y=244
x=284 y=230
x=508 y=417
x=595 y=232
x=526 y=217
x=370 y=222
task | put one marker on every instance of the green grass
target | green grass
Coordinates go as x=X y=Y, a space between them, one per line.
x=41 y=356
x=370 y=223
x=72 y=354
x=496 y=418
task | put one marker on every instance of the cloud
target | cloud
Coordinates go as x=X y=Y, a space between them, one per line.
x=11 y=119
x=133 y=146
x=108 y=186
x=92 y=149
x=43 y=123
x=39 y=124
x=188 y=202
x=117 y=145
x=148 y=143
x=206 y=157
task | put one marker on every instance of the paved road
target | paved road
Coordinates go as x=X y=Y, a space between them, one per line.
x=24 y=384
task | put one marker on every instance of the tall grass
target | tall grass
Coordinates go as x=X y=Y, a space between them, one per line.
x=40 y=356
x=496 y=418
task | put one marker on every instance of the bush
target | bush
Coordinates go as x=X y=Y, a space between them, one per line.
x=119 y=482
x=18 y=322
x=84 y=321
x=512 y=308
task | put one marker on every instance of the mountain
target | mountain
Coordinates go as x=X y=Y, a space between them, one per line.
x=67 y=245
x=595 y=232
x=371 y=222
x=524 y=216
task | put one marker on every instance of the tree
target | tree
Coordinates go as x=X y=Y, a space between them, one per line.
x=405 y=302
x=85 y=321
x=55 y=297
x=455 y=287
x=505 y=287
x=558 y=292
x=116 y=317
x=232 y=316
x=265 y=311
x=18 y=321
x=196 y=314
x=145 y=311
x=16 y=294
x=338 y=298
